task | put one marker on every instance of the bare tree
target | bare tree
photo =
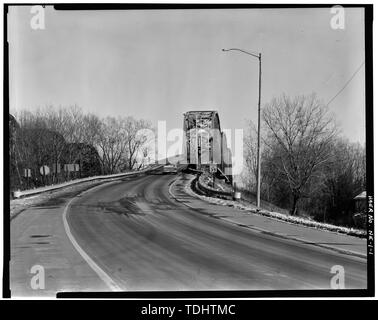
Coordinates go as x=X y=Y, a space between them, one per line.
x=55 y=136
x=269 y=177
x=250 y=157
x=299 y=134
x=121 y=142
x=136 y=141
x=111 y=141
x=343 y=178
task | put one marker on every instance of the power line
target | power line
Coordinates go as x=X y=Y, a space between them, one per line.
x=350 y=79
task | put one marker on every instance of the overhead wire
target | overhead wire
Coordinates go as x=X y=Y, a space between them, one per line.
x=346 y=84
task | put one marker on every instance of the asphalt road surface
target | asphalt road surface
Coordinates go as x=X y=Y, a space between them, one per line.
x=135 y=236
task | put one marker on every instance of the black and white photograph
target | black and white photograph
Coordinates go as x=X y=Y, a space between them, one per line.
x=188 y=150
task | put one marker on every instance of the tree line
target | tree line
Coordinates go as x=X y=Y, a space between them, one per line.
x=306 y=165
x=72 y=144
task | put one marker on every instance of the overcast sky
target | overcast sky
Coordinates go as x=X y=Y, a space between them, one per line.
x=159 y=64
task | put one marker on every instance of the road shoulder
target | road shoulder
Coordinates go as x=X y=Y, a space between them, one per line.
x=39 y=242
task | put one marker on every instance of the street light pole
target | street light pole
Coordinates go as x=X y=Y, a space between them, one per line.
x=258 y=123
x=258 y=139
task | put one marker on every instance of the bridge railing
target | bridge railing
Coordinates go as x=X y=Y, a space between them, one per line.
x=212 y=192
x=25 y=193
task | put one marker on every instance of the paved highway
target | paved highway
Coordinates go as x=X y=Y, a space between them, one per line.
x=133 y=235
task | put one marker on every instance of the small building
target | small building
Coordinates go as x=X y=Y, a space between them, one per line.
x=360 y=202
x=360 y=209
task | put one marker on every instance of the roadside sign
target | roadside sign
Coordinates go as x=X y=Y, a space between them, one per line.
x=213 y=168
x=71 y=167
x=27 y=173
x=44 y=170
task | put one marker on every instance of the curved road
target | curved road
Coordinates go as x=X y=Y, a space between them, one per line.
x=144 y=239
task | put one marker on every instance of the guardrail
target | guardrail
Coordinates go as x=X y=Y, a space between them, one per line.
x=207 y=190
x=20 y=194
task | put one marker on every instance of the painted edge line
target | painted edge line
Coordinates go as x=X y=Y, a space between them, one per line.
x=101 y=273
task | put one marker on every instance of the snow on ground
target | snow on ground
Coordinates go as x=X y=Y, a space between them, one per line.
x=218 y=186
x=242 y=205
x=19 y=205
